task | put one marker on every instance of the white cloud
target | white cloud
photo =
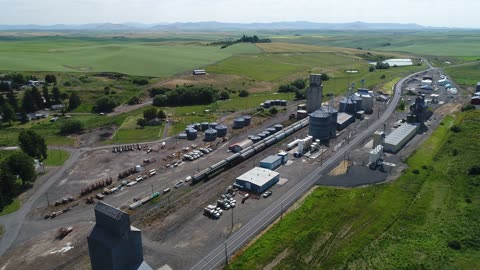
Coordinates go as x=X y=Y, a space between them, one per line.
x=426 y=12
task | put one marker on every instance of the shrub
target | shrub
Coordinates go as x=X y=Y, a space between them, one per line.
x=224 y=95
x=160 y=101
x=134 y=100
x=474 y=170
x=273 y=110
x=416 y=171
x=468 y=107
x=455 y=129
x=104 y=104
x=140 y=81
x=454 y=244
x=70 y=127
x=243 y=93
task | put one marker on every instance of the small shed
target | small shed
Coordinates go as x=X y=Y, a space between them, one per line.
x=271 y=162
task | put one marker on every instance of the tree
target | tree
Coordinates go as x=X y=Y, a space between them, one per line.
x=299 y=83
x=2 y=100
x=104 y=104
x=383 y=77
x=4 y=87
x=141 y=122
x=32 y=144
x=37 y=97
x=285 y=88
x=134 y=100
x=273 y=110
x=28 y=103
x=160 y=101
x=150 y=114
x=161 y=114
x=325 y=77
x=371 y=68
x=56 y=95
x=21 y=164
x=50 y=78
x=140 y=81
x=74 y=101
x=7 y=183
x=243 y=93
x=8 y=113
x=46 y=96
x=70 y=127
x=12 y=99
x=224 y=95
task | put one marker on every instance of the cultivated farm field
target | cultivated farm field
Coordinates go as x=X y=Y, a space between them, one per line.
x=154 y=59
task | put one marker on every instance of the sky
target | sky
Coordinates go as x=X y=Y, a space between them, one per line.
x=449 y=13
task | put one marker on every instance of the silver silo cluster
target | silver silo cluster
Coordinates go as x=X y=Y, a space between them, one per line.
x=221 y=130
x=210 y=135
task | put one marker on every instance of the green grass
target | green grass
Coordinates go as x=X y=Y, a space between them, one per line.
x=56 y=157
x=406 y=224
x=440 y=43
x=465 y=75
x=127 y=56
x=12 y=207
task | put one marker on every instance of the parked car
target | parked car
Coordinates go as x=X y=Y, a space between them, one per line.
x=267 y=194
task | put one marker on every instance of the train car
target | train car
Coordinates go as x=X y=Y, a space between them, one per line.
x=248 y=154
x=280 y=136
x=259 y=146
x=199 y=176
x=270 y=141
x=234 y=159
x=289 y=131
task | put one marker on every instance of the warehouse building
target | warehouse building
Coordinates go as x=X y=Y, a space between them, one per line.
x=257 y=180
x=271 y=162
x=399 y=137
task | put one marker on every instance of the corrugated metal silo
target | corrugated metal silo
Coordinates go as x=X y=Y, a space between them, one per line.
x=210 y=135
x=221 y=130
x=319 y=125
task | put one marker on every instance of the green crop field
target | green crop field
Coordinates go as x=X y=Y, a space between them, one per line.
x=427 y=219
x=127 y=57
x=441 y=43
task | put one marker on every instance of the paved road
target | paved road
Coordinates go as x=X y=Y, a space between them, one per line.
x=216 y=258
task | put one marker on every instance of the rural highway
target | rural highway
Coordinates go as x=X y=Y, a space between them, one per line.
x=241 y=237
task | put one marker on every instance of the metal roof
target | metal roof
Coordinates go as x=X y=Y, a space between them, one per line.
x=343 y=117
x=271 y=159
x=319 y=114
x=258 y=176
x=108 y=210
x=400 y=133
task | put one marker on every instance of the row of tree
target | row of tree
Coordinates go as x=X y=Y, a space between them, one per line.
x=187 y=95
x=244 y=39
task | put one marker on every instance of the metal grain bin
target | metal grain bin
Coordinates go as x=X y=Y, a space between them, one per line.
x=239 y=123
x=192 y=134
x=267 y=104
x=205 y=126
x=198 y=126
x=213 y=124
x=210 y=135
x=271 y=130
x=221 y=130
x=319 y=125
x=255 y=139
x=348 y=105
x=283 y=103
x=248 y=120
x=278 y=127
x=262 y=135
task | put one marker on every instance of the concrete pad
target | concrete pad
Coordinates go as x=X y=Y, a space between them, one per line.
x=282 y=181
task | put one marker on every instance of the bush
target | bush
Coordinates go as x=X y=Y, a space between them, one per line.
x=160 y=101
x=416 y=171
x=324 y=77
x=285 y=88
x=67 y=83
x=158 y=91
x=371 y=69
x=383 y=77
x=273 y=111
x=468 y=107
x=134 y=100
x=243 y=93
x=192 y=95
x=474 y=170
x=299 y=83
x=104 y=104
x=141 y=122
x=454 y=244
x=224 y=95
x=455 y=129
x=70 y=127
x=140 y=81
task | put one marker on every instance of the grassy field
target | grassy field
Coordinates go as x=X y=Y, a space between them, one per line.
x=441 y=43
x=285 y=67
x=130 y=133
x=56 y=157
x=466 y=75
x=412 y=223
x=122 y=56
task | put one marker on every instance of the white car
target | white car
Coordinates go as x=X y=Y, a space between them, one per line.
x=139 y=178
x=132 y=183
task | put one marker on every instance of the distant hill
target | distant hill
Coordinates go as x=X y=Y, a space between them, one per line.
x=191 y=26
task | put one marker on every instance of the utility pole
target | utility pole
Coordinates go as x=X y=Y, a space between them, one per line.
x=48 y=201
x=152 y=188
x=226 y=253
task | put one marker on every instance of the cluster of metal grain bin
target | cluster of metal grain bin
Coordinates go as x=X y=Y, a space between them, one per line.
x=241 y=122
x=211 y=131
x=269 y=103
